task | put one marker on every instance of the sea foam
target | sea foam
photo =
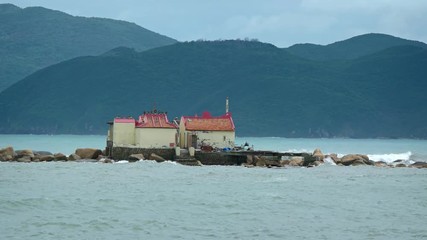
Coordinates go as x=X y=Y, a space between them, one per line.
x=122 y=161
x=391 y=157
x=329 y=160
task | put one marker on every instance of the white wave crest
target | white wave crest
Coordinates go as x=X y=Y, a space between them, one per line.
x=294 y=150
x=122 y=161
x=329 y=160
x=391 y=157
x=170 y=162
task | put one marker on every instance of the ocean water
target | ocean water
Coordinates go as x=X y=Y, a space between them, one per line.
x=149 y=200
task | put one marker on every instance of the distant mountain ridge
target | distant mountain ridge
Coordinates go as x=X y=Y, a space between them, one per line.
x=351 y=48
x=272 y=91
x=35 y=37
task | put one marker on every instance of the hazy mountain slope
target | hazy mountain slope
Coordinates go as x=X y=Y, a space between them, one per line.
x=351 y=48
x=394 y=84
x=272 y=93
x=182 y=78
x=36 y=37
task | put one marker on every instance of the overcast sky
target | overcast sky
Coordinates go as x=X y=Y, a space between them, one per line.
x=280 y=22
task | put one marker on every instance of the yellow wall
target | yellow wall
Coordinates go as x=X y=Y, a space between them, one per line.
x=123 y=134
x=155 y=137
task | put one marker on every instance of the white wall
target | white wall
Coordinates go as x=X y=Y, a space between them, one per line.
x=155 y=137
x=218 y=139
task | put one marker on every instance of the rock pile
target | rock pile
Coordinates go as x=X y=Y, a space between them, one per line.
x=317 y=158
x=8 y=154
x=354 y=160
x=88 y=153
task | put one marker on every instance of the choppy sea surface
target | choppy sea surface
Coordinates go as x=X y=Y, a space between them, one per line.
x=148 y=200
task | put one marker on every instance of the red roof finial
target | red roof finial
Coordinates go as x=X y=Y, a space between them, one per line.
x=206 y=115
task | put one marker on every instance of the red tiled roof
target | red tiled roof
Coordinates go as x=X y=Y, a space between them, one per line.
x=154 y=120
x=209 y=123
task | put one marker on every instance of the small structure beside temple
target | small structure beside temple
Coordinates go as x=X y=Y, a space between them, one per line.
x=121 y=132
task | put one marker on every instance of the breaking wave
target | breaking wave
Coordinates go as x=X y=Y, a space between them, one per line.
x=329 y=160
x=122 y=161
x=391 y=157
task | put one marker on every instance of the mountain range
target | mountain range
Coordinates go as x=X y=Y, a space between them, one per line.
x=272 y=91
x=352 y=48
x=368 y=86
x=35 y=37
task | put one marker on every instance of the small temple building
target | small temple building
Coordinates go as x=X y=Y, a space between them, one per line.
x=207 y=131
x=151 y=130
x=154 y=130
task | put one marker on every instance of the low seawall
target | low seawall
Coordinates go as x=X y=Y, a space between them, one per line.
x=231 y=158
x=220 y=158
x=122 y=153
x=241 y=157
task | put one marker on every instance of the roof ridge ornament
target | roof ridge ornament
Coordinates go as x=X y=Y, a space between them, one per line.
x=226 y=105
x=154 y=108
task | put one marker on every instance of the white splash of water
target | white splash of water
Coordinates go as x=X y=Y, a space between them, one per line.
x=302 y=150
x=391 y=157
x=170 y=162
x=329 y=160
x=122 y=161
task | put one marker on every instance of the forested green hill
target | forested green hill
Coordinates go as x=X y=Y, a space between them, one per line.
x=272 y=92
x=35 y=37
x=351 y=48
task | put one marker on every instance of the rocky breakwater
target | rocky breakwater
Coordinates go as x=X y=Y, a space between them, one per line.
x=318 y=158
x=8 y=154
x=363 y=160
x=302 y=160
x=253 y=159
